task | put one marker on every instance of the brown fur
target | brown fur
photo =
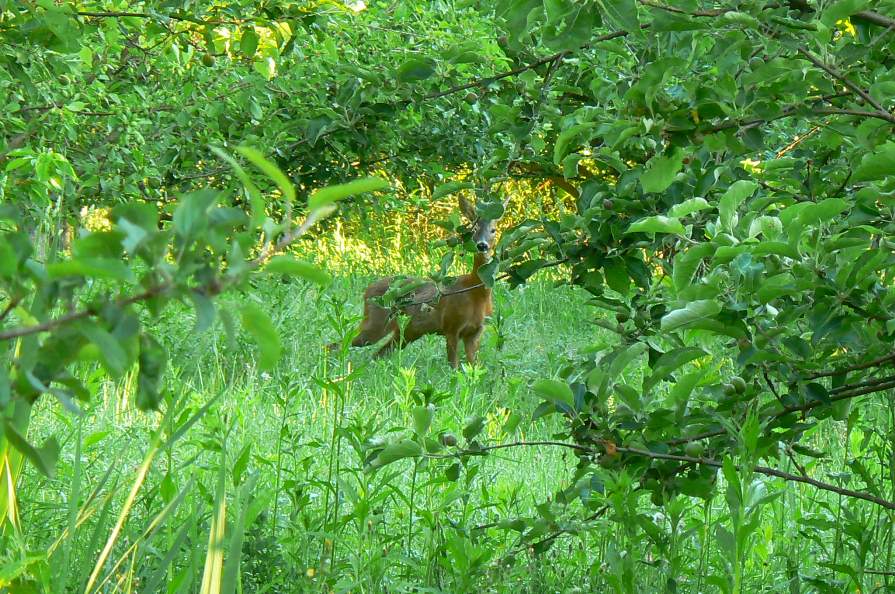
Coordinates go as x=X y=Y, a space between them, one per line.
x=459 y=313
x=456 y=316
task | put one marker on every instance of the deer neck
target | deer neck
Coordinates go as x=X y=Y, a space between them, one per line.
x=479 y=261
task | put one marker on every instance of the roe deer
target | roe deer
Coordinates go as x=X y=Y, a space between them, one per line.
x=458 y=312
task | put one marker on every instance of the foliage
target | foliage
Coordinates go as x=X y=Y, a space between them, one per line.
x=718 y=177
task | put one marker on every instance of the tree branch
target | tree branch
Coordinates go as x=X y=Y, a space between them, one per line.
x=844 y=393
x=159 y=289
x=551 y=58
x=883 y=113
x=769 y=472
x=689 y=459
x=874 y=363
x=145 y=15
x=81 y=314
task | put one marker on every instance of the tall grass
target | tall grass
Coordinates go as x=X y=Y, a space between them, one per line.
x=256 y=482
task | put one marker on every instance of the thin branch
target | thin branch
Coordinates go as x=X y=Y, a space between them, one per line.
x=213 y=289
x=767 y=379
x=696 y=13
x=882 y=115
x=689 y=459
x=485 y=80
x=81 y=314
x=874 y=363
x=845 y=80
x=158 y=17
x=847 y=393
x=503 y=276
x=875 y=18
x=768 y=472
x=13 y=302
x=516 y=444
x=792 y=458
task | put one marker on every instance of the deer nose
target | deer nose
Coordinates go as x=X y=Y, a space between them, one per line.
x=482 y=246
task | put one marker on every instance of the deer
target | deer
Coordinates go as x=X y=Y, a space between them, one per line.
x=456 y=312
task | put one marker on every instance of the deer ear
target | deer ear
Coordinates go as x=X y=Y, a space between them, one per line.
x=467 y=208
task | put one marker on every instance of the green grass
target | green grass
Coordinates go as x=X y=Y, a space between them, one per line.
x=288 y=448
x=306 y=431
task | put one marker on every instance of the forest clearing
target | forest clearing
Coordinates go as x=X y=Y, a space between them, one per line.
x=505 y=296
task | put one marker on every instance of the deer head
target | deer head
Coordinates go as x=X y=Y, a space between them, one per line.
x=484 y=232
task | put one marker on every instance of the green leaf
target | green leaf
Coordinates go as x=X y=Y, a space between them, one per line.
x=824 y=211
x=258 y=324
x=661 y=171
x=251 y=189
x=112 y=355
x=841 y=10
x=191 y=215
x=624 y=357
x=330 y=194
x=489 y=211
x=92 y=268
x=241 y=464
x=487 y=271
x=397 y=451
x=450 y=188
x=657 y=224
x=204 y=311
x=422 y=418
x=623 y=13
x=415 y=69
x=153 y=362
x=292 y=266
x=669 y=362
x=270 y=170
x=617 y=276
x=555 y=391
x=44 y=458
x=473 y=426
x=688 y=207
x=692 y=312
x=686 y=263
x=249 y=42
x=567 y=137
x=682 y=389
x=730 y=201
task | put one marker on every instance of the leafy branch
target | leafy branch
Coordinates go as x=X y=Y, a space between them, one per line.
x=612 y=450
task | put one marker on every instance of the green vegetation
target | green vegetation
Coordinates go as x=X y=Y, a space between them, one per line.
x=686 y=385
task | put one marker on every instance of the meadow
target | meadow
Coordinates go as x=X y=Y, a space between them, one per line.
x=300 y=432
x=285 y=453
x=689 y=391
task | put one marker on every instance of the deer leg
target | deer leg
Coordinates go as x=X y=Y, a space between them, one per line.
x=452 y=340
x=471 y=343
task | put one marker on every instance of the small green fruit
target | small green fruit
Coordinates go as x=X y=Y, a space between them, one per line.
x=729 y=390
x=448 y=440
x=694 y=449
x=208 y=60
x=739 y=384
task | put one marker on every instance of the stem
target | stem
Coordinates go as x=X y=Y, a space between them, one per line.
x=410 y=513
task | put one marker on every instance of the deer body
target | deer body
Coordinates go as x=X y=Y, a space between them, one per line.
x=458 y=313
